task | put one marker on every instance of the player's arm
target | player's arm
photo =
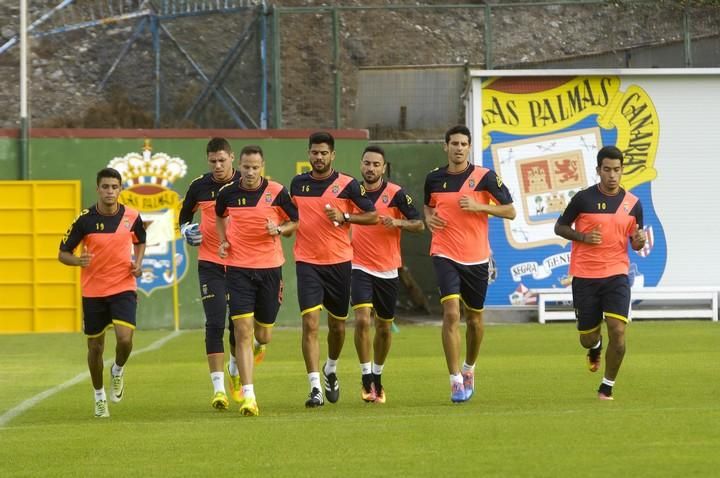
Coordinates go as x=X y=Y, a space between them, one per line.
x=368 y=216
x=411 y=221
x=189 y=205
x=432 y=219
x=564 y=229
x=506 y=211
x=221 y=225
x=502 y=207
x=190 y=230
x=637 y=237
x=70 y=242
x=288 y=207
x=70 y=259
x=138 y=247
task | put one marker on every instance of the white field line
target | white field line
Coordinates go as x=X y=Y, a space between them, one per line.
x=32 y=401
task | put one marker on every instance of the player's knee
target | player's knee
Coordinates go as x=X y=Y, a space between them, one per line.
x=96 y=347
x=451 y=317
x=214 y=340
x=589 y=340
x=362 y=319
x=383 y=328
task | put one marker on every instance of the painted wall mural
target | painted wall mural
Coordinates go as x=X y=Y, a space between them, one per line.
x=542 y=136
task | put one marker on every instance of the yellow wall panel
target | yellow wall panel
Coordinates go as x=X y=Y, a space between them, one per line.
x=16 y=246
x=56 y=320
x=16 y=194
x=37 y=293
x=51 y=270
x=17 y=296
x=15 y=271
x=53 y=220
x=16 y=321
x=56 y=195
x=15 y=221
x=55 y=295
x=47 y=245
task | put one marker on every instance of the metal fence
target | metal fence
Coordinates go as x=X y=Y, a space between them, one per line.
x=249 y=64
x=323 y=54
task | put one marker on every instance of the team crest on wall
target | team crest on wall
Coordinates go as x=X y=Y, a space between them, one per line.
x=542 y=135
x=148 y=187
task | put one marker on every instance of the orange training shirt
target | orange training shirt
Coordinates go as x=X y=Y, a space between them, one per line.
x=318 y=240
x=465 y=238
x=249 y=210
x=201 y=194
x=109 y=240
x=377 y=248
x=616 y=217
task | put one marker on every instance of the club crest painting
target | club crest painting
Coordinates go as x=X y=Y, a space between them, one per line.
x=541 y=135
x=147 y=186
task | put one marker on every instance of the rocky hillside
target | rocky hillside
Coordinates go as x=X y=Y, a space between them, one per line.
x=66 y=69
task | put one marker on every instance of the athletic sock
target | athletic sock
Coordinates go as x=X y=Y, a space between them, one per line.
x=456 y=379
x=330 y=366
x=116 y=370
x=218 y=381
x=468 y=368
x=100 y=394
x=365 y=368
x=232 y=368
x=314 y=379
x=608 y=382
x=377 y=368
x=597 y=345
x=248 y=391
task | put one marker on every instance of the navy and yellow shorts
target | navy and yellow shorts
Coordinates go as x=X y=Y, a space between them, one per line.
x=366 y=290
x=255 y=293
x=324 y=286
x=99 y=313
x=459 y=281
x=213 y=293
x=594 y=299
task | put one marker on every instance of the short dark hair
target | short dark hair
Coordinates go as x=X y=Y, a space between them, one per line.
x=373 y=148
x=322 y=137
x=252 y=149
x=611 y=152
x=458 y=129
x=108 y=173
x=218 y=144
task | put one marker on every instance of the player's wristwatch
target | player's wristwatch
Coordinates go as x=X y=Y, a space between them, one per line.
x=346 y=216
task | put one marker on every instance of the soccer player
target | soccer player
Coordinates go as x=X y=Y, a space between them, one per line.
x=251 y=213
x=376 y=259
x=459 y=198
x=201 y=194
x=108 y=232
x=605 y=219
x=323 y=254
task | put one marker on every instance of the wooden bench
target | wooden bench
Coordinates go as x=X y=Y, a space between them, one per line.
x=656 y=303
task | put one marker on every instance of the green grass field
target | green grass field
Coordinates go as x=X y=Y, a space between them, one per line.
x=535 y=411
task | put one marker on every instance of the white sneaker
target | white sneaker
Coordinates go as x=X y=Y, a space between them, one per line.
x=117 y=388
x=101 y=409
